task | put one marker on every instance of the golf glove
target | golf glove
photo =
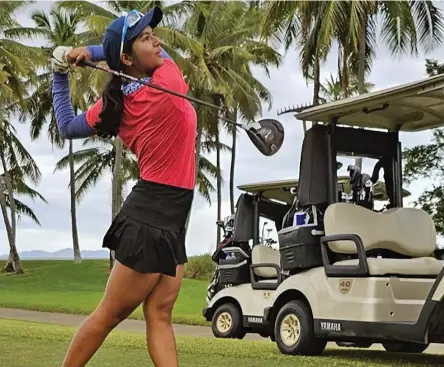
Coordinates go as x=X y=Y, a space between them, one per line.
x=58 y=60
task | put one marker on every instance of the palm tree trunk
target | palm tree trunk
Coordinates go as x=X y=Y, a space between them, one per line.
x=11 y=227
x=9 y=267
x=14 y=257
x=75 y=234
x=10 y=189
x=233 y=162
x=316 y=81
x=219 y=185
x=116 y=195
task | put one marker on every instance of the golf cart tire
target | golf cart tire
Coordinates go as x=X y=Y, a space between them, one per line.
x=231 y=312
x=405 y=347
x=307 y=343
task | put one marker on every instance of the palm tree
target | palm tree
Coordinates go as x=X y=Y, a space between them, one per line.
x=59 y=27
x=16 y=62
x=332 y=89
x=308 y=25
x=249 y=93
x=16 y=165
x=353 y=25
x=405 y=26
x=20 y=187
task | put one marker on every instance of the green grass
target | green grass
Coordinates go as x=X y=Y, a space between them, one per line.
x=62 y=286
x=35 y=345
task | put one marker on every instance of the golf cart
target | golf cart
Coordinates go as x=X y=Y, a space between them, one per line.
x=246 y=275
x=347 y=273
x=246 y=278
x=358 y=276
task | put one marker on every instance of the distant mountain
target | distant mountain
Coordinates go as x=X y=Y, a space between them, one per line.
x=64 y=254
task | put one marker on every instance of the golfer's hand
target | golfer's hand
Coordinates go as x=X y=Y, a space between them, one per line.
x=77 y=55
x=59 y=62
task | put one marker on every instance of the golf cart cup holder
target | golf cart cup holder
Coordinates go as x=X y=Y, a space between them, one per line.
x=359 y=270
x=300 y=248
x=235 y=268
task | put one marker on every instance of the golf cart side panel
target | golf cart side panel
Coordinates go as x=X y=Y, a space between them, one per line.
x=438 y=289
x=375 y=299
x=252 y=302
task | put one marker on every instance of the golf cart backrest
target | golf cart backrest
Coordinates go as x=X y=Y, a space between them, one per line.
x=265 y=255
x=406 y=231
x=244 y=219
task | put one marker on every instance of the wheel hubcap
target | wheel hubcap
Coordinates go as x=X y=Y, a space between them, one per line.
x=290 y=330
x=224 y=322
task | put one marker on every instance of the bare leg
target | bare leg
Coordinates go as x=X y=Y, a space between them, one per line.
x=125 y=291
x=158 y=308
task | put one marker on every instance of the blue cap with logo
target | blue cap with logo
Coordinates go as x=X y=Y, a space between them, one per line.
x=113 y=35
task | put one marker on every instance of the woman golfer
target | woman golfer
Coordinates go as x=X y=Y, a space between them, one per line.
x=148 y=233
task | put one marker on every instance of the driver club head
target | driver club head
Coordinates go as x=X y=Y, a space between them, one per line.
x=267 y=135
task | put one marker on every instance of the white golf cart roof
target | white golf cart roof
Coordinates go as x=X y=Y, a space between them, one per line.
x=415 y=106
x=280 y=190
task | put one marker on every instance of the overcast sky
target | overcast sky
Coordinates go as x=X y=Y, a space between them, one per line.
x=287 y=87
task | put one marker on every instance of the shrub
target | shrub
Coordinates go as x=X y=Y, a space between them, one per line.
x=199 y=267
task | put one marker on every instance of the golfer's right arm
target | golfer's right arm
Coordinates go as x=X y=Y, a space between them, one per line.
x=69 y=125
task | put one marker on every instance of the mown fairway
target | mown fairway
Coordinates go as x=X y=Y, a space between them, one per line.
x=35 y=345
x=62 y=286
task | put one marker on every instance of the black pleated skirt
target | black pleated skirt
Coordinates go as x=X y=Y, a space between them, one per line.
x=148 y=234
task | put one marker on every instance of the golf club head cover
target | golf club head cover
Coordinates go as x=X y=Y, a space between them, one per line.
x=267 y=135
x=58 y=60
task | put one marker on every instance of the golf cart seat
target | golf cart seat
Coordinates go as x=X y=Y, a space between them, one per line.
x=265 y=255
x=406 y=231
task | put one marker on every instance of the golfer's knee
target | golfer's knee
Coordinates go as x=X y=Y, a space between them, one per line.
x=109 y=318
x=160 y=311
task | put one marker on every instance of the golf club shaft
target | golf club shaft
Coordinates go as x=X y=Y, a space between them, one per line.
x=129 y=77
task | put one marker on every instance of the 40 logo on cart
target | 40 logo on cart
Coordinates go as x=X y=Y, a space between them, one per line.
x=345 y=285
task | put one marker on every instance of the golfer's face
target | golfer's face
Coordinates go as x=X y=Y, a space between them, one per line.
x=147 y=51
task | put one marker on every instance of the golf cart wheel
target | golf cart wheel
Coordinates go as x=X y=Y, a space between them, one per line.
x=405 y=347
x=294 y=331
x=227 y=322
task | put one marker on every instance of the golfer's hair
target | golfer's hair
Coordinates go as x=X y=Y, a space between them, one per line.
x=111 y=114
x=112 y=99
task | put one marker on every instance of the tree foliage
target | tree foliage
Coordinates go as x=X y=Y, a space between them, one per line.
x=423 y=162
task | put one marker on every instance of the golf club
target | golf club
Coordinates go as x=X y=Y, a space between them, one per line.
x=267 y=134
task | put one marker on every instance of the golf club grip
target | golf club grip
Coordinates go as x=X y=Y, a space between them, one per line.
x=86 y=62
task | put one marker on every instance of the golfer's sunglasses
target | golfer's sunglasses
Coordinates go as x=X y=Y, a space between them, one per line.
x=131 y=19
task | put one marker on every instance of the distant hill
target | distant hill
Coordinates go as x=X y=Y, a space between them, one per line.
x=63 y=254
